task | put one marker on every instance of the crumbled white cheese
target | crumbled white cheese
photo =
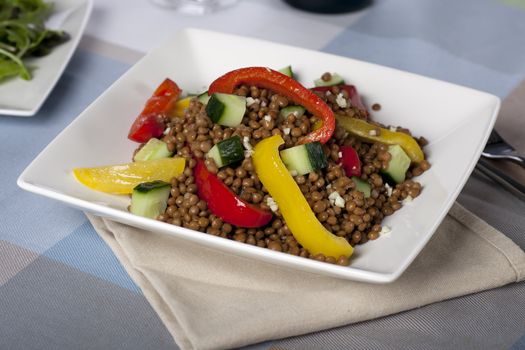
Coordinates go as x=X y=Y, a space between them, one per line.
x=167 y=131
x=267 y=118
x=286 y=131
x=336 y=199
x=385 y=231
x=250 y=101
x=340 y=154
x=248 y=146
x=263 y=104
x=340 y=202
x=392 y=128
x=328 y=92
x=388 y=189
x=341 y=101
x=372 y=132
x=329 y=186
x=272 y=204
x=407 y=200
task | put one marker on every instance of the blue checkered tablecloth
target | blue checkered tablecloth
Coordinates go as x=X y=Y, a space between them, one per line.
x=61 y=287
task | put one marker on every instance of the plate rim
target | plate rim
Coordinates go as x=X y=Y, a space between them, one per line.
x=29 y=112
x=243 y=249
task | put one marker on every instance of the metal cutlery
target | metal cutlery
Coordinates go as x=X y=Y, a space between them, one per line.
x=497 y=148
x=495 y=174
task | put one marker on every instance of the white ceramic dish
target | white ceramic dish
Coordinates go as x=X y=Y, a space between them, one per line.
x=24 y=98
x=456 y=121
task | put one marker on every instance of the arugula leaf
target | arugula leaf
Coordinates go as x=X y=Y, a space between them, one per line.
x=23 y=72
x=23 y=33
x=19 y=36
x=50 y=39
x=8 y=69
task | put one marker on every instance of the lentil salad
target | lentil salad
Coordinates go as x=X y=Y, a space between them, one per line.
x=348 y=192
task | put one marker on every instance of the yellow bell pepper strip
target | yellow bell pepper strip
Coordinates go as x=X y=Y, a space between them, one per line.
x=181 y=106
x=122 y=178
x=297 y=214
x=373 y=133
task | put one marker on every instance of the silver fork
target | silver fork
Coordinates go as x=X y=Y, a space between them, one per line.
x=497 y=148
x=496 y=174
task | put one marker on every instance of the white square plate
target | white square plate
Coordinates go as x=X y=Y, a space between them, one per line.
x=24 y=98
x=456 y=121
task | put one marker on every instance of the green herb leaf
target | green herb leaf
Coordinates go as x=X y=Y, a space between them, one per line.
x=23 y=72
x=8 y=69
x=23 y=33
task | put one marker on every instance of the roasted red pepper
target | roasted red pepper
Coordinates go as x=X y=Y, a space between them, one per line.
x=350 y=161
x=223 y=203
x=353 y=95
x=286 y=86
x=150 y=123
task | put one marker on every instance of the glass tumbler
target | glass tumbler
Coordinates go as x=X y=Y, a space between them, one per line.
x=195 y=7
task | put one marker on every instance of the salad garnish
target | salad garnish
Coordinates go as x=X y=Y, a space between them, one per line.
x=263 y=160
x=23 y=34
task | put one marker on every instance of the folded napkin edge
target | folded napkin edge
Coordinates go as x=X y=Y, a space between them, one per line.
x=503 y=244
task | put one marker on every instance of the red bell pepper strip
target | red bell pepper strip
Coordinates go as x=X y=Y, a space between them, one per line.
x=353 y=95
x=223 y=203
x=150 y=123
x=286 y=86
x=350 y=161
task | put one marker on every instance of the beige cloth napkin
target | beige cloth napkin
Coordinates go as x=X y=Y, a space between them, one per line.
x=208 y=299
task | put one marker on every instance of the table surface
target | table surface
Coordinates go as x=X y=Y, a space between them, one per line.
x=60 y=285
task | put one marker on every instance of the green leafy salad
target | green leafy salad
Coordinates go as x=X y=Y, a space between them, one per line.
x=23 y=34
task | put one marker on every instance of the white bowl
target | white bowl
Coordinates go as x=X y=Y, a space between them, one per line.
x=456 y=121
